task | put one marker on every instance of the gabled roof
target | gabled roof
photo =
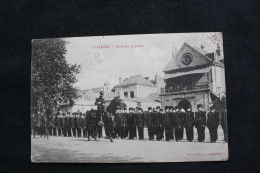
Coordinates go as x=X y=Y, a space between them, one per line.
x=138 y=79
x=96 y=90
x=89 y=95
x=173 y=65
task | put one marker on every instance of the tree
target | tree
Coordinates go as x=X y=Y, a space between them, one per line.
x=52 y=77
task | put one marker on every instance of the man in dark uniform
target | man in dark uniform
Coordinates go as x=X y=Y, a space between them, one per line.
x=189 y=124
x=59 y=122
x=178 y=123
x=73 y=123
x=182 y=121
x=168 y=125
x=64 y=125
x=35 y=123
x=68 y=119
x=162 y=124
x=108 y=123
x=54 y=124
x=124 y=123
x=223 y=122
x=200 y=122
x=100 y=102
x=140 y=119
x=171 y=119
x=213 y=123
x=84 y=125
x=78 y=124
x=150 y=123
x=117 y=123
x=157 y=123
x=131 y=124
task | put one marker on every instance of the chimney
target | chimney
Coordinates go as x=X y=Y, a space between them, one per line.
x=120 y=80
x=156 y=79
x=106 y=87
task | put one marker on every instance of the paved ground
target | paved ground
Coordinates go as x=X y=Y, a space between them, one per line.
x=70 y=149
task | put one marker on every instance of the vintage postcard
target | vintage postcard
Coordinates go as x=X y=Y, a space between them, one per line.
x=129 y=98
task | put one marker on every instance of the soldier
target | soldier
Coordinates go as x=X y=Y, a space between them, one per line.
x=59 y=122
x=178 y=123
x=171 y=119
x=189 y=124
x=84 y=125
x=78 y=124
x=54 y=124
x=168 y=127
x=108 y=122
x=73 y=123
x=162 y=123
x=64 y=125
x=35 y=123
x=69 y=121
x=100 y=102
x=200 y=122
x=223 y=122
x=90 y=123
x=150 y=123
x=140 y=119
x=124 y=123
x=157 y=123
x=182 y=121
x=131 y=123
x=117 y=123
x=213 y=123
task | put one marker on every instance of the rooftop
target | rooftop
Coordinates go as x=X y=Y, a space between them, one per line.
x=138 y=79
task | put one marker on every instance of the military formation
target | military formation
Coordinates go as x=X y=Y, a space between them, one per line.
x=167 y=124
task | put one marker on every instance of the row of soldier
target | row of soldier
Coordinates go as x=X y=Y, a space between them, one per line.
x=125 y=124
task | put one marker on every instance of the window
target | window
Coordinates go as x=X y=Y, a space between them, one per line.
x=126 y=94
x=132 y=94
x=139 y=104
x=167 y=100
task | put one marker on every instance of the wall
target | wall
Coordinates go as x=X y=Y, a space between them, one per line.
x=144 y=91
x=127 y=89
x=195 y=98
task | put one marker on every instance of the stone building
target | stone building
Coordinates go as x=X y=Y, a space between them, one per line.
x=193 y=76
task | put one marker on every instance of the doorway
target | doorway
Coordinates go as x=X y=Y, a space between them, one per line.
x=185 y=104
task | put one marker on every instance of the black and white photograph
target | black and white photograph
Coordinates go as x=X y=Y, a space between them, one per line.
x=129 y=99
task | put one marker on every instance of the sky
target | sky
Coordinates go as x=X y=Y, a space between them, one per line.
x=106 y=58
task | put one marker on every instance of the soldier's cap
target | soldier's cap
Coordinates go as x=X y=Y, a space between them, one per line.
x=133 y=109
x=157 y=107
x=130 y=108
x=125 y=109
x=166 y=107
x=161 y=109
x=171 y=107
x=176 y=107
x=101 y=92
x=199 y=106
x=149 y=108
x=140 y=109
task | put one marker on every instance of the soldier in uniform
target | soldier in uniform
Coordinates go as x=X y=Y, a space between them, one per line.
x=140 y=119
x=78 y=124
x=64 y=125
x=223 y=122
x=168 y=124
x=200 y=122
x=213 y=123
x=124 y=123
x=189 y=124
x=178 y=123
x=117 y=123
x=182 y=121
x=69 y=123
x=171 y=119
x=162 y=124
x=131 y=123
x=54 y=124
x=157 y=123
x=59 y=122
x=150 y=123
x=84 y=125
x=108 y=122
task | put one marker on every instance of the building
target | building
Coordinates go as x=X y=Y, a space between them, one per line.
x=136 y=91
x=193 y=76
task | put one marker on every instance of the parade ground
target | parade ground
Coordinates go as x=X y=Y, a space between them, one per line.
x=80 y=150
